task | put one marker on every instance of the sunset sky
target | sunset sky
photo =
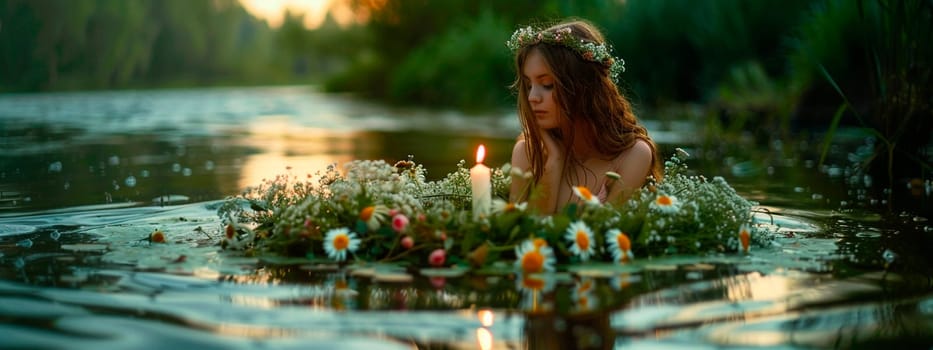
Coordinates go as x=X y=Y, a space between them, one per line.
x=314 y=10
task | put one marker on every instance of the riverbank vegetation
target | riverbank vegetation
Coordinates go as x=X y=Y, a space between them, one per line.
x=765 y=68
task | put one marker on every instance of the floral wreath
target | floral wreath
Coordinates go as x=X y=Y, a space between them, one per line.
x=377 y=213
x=590 y=51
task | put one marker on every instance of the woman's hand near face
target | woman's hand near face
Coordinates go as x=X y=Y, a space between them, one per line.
x=553 y=152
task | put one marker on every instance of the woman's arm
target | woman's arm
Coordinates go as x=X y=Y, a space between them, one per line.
x=543 y=195
x=634 y=166
x=522 y=163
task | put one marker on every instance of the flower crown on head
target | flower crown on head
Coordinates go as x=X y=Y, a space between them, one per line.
x=590 y=51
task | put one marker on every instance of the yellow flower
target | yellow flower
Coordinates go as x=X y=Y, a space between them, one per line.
x=339 y=241
x=582 y=239
x=584 y=194
x=534 y=256
x=620 y=246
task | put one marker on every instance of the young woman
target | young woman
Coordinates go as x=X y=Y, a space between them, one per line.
x=580 y=137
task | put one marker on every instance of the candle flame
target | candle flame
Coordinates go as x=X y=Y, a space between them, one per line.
x=480 y=153
x=486 y=317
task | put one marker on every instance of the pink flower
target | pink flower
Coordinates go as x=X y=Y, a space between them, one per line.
x=437 y=257
x=407 y=242
x=399 y=222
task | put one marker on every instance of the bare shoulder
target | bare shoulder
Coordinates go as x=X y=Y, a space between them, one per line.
x=520 y=157
x=640 y=151
x=636 y=161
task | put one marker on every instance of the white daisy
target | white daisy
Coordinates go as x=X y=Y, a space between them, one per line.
x=339 y=241
x=584 y=194
x=620 y=246
x=582 y=238
x=665 y=204
x=501 y=206
x=534 y=256
x=373 y=215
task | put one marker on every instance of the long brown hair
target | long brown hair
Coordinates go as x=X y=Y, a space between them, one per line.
x=588 y=99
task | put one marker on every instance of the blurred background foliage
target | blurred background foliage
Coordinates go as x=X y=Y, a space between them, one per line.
x=776 y=65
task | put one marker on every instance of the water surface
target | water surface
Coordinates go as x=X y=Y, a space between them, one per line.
x=86 y=176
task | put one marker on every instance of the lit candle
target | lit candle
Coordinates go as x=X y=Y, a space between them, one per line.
x=482 y=188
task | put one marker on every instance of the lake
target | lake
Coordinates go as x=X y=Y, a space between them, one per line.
x=85 y=177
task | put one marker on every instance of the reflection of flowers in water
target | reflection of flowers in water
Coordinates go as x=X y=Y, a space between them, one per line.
x=584 y=298
x=532 y=288
x=344 y=296
x=623 y=280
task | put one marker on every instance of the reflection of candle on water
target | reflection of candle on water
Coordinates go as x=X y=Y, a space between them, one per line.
x=482 y=188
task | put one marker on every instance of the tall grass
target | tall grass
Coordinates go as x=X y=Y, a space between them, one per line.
x=876 y=55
